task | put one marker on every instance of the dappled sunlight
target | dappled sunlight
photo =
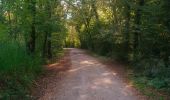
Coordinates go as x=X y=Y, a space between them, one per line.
x=106 y=74
x=84 y=65
x=109 y=73
x=87 y=62
x=76 y=69
x=126 y=88
x=52 y=65
x=114 y=74
x=103 y=81
x=88 y=79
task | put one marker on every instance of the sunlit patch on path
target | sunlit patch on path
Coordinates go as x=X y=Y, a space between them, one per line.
x=86 y=79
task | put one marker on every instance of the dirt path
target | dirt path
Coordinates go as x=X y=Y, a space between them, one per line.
x=79 y=76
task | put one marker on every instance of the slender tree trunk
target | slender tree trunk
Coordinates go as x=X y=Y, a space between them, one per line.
x=32 y=39
x=137 y=26
x=166 y=55
x=94 y=11
x=49 y=50
x=45 y=45
x=114 y=21
x=127 y=29
x=9 y=22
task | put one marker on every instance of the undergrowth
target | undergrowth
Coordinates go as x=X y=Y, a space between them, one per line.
x=17 y=71
x=151 y=77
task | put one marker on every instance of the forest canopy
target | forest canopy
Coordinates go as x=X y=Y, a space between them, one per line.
x=32 y=32
x=134 y=31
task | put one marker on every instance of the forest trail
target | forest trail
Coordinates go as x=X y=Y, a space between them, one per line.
x=79 y=76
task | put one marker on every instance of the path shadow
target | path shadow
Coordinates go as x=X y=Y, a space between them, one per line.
x=53 y=74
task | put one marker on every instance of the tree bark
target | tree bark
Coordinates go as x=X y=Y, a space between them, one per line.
x=137 y=26
x=127 y=28
x=32 y=39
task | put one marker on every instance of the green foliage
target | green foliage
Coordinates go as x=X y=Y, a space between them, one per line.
x=135 y=31
x=17 y=70
x=31 y=31
x=158 y=83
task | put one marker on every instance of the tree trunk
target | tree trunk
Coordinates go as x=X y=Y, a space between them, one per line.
x=49 y=50
x=137 y=26
x=45 y=45
x=32 y=39
x=127 y=30
x=166 y=22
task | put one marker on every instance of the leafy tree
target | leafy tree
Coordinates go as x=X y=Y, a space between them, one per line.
x=31 y=31
x=136 y=31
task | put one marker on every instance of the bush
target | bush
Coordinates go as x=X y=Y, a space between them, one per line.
x=17 y=70
x=155 y=73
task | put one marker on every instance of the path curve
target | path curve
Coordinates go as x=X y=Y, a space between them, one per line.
x=83 y=77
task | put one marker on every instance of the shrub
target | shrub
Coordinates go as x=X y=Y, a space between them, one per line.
x=17 y=70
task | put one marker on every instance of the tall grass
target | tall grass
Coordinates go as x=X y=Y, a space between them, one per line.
x=17 y=70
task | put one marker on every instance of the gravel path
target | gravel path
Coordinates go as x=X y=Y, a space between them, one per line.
x=79 y=76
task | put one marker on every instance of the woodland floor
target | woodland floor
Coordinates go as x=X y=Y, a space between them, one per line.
x=80 y=76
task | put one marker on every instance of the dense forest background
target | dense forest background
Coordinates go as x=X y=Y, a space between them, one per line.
x=132 y=31
x=32 y=32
